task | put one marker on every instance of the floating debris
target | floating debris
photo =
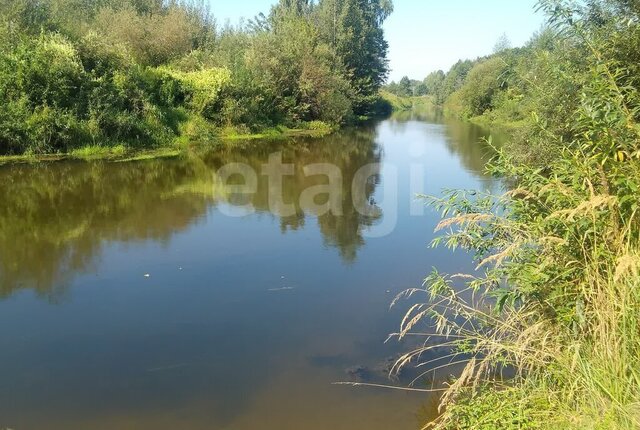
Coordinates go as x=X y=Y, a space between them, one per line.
x=281 y=289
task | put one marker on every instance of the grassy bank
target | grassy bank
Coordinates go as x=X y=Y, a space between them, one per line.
x=403 y=103
x=507 y=126
x=224 y=137
x=554 y=304
x=96 y=153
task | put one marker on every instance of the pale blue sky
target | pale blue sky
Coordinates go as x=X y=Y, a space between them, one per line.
x=426 y=35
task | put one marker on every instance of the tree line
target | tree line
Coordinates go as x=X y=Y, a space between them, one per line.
x=148 y=72
x=539 y=85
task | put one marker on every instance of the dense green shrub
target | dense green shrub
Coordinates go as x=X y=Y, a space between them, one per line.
x=202 y=88
x=481 y=86
x=46 y=70
x=58 y=97
x=153 y=39
x=41 y=84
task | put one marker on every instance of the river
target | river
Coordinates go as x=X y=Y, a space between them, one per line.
x=160 y=294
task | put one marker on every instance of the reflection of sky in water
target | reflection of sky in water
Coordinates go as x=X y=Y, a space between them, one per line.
x=243 y=322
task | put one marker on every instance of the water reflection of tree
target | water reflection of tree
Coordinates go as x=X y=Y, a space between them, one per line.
x=349 y=151
x=55 y=218
x=469 y=142
x=465 y=139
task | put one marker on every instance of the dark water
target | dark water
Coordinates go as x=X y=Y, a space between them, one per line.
x=243 y=322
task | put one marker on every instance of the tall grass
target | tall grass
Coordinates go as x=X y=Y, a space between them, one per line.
x=571 y=373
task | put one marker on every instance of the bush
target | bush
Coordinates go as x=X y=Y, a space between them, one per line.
x=41 y=84
x=58 y=97
x=134 y=71
x=47 y=70
x=153 y=39
x=484 y=82
x=204 y=88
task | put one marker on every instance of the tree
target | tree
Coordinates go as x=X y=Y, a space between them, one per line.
x=405 y=87
x=434 y=84
x=294 y=7
x=454 y=80
x=353 y=28
x=482 y=84
x=502 y=44
x=295 y=65
x=153 y=38
x=421 y=89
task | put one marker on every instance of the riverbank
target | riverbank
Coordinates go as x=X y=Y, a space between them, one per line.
x=180 y=145
x=555 y=297
x=400 y=103
x=195 y=131
x=428 y=104
x=147 y=75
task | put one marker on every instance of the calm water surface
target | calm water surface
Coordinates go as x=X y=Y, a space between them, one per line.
x=244 y=322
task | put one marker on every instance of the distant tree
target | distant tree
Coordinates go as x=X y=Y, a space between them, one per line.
x=392 y=87
x=481 y=86
x=503 y=44
x=454 y=79
x=421 y=89
x=26 y=15
x=291 y=7
x=434 y=84
x=405 y=88
x=259 y=23
x=153 y=39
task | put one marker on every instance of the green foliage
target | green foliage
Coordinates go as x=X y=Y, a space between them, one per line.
x=353 y=29
x=454 y=79
x=96 y=151
x=556 y=292
x=58 y=98
x=407 y=88
x=481 y=86
x=490 y=409
x=153 y=39
x=434 y=84
x=202 y=87
x=395 y=102
x=47 y=70
x=75 y=73
x=298 y=69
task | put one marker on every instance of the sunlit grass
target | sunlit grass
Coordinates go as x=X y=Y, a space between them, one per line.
x=96 y=151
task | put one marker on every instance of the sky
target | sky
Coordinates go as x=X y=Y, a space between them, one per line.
x=428 y=35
